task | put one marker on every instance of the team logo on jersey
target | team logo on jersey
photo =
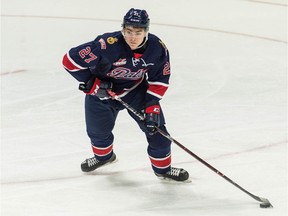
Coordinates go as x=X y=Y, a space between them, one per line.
x=136 y=61
x=126 y=73
x=120 y=62
x=112 y=40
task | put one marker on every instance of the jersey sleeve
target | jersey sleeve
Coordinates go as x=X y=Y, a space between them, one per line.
x=158 y=79
x=78 y=60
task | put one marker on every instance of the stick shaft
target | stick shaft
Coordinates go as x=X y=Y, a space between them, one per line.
x=141 y=117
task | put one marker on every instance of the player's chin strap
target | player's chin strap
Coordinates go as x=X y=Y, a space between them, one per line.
x=264 y=202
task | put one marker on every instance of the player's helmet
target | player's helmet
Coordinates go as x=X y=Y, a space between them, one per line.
x=136 y=18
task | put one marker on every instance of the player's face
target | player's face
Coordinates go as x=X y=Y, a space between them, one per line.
x=134 y=36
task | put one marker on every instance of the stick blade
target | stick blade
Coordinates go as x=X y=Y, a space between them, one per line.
x=265 y=203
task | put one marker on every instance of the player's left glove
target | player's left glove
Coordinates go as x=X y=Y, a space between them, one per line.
x=96 y=87
x=152 y=118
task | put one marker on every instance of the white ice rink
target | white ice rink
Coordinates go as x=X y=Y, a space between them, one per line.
x=226 y=103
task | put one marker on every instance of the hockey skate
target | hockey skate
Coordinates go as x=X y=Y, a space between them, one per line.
x=175 y=174
x=91 y=164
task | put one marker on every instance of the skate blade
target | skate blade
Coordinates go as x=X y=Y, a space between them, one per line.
x=168 y=180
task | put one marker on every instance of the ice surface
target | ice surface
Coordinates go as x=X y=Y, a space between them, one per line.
x=226 y=103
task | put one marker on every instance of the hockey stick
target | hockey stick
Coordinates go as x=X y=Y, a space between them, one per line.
x=264 y=202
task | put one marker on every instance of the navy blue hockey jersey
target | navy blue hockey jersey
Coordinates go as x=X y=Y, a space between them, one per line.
x=110 y=58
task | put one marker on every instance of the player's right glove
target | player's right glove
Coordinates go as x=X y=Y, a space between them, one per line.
x=96 y=87
x=152 y=118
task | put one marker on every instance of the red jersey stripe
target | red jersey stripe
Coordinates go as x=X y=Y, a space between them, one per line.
x=158 y=90
x=69 y=64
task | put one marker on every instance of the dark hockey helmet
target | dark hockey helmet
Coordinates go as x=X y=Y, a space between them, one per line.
x=136 y=18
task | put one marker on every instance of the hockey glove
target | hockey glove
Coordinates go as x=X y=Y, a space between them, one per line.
x=96 y=87
x=152 y=118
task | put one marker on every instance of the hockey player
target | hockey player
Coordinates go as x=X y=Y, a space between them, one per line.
x=135 y=65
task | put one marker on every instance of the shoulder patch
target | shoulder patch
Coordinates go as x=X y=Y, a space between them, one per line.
x=112 y=40
x=102 y=43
